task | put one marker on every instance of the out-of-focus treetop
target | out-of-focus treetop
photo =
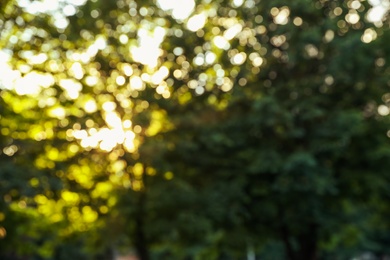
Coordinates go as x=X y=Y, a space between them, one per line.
x=187 y=129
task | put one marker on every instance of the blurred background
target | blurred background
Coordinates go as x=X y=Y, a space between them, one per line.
x=194 y=129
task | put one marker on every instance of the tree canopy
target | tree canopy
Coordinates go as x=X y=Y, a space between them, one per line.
x=194 y=129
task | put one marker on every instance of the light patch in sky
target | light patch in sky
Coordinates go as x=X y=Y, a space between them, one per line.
x=221 y=42
x=237 y=3
x=44 y=6
x=71 y=87
x=239 y=58
x=232 y=31
x=160 y=75
x=48 y=6
x=369 y=35
x=38 y=59
x=376 y=14
x=282 y=16
x=76 y=2
x=136 y=83
x=58 y=9
x=210 y=57
x=113 y=120
x=374 y=2
x=7 y=75
x=107 y=138
x=383 y=110
x=69 y=10
x=180 y=10
x=29 y=84
x=196 y=22
x=378 y=11
x=148 y=50
x=90 y=106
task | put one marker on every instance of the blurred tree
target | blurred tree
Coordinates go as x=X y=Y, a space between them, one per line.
x=205 y=130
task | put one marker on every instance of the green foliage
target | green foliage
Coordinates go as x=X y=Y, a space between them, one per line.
x=244 y=127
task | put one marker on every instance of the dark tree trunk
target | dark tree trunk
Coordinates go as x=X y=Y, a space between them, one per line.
x=307 y=243
x=287 y=243
x=140 y=237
